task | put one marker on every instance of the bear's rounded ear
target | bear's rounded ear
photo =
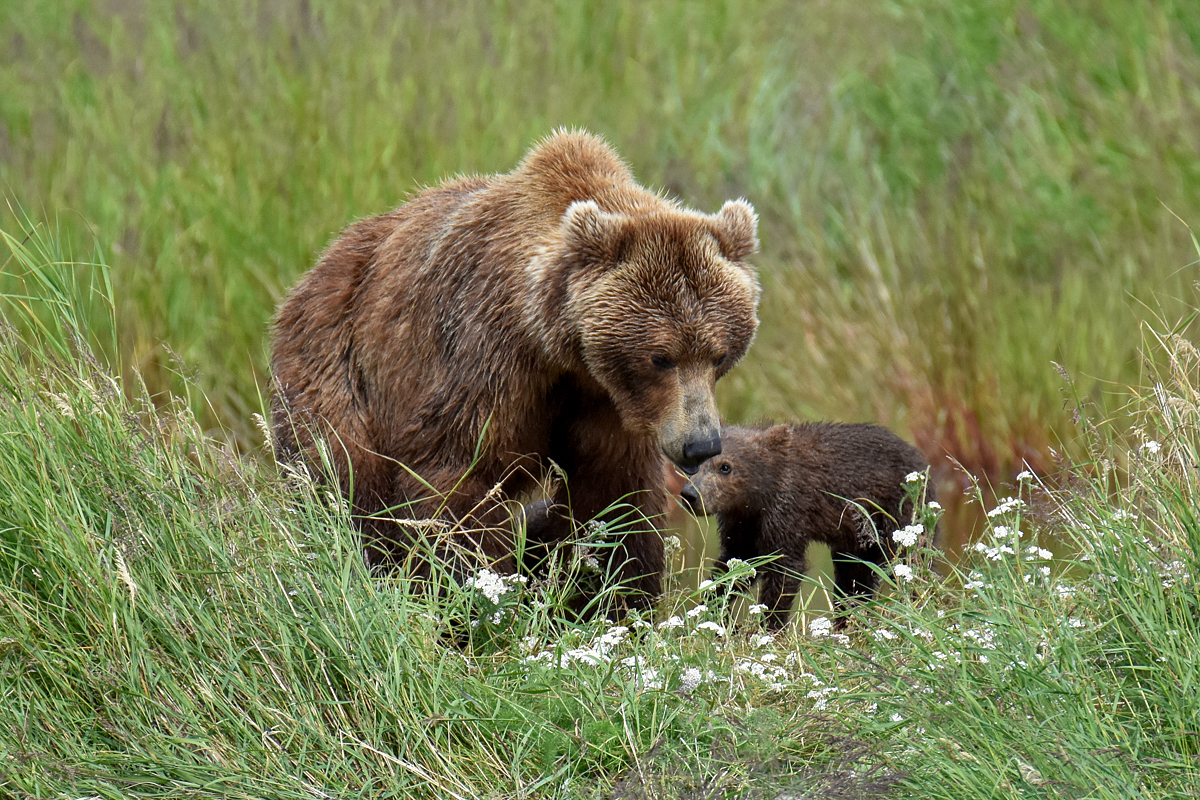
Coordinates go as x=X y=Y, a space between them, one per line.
x=600 y=236
x=775 y=437
x=736 y=229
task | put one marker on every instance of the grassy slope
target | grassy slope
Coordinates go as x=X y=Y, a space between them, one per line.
x=179 y=622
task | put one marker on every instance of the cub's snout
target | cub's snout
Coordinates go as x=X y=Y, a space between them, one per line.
x=691 y=498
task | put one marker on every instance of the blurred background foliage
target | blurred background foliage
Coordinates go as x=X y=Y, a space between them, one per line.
x=954 y=197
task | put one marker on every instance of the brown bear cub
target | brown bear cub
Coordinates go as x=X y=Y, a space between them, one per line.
x=444 y=355
x=776 y=489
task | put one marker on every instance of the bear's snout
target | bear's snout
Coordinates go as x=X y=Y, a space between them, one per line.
x=691 y=498
x=697 y=451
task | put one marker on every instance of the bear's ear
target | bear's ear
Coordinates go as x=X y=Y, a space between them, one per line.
x=736 y=229
x=775 y=437
x=597 y=235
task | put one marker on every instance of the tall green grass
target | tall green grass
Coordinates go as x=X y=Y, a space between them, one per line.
x=180 y=621
x=952 y=195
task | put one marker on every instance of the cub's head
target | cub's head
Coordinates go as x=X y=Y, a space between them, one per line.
x=739 y=480
x=661 y=306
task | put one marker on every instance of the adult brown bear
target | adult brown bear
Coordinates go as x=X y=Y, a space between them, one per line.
x=449 y=350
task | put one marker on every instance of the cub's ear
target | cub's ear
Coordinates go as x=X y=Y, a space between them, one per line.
x=595 y=234
x=775 y=437
x=736 y=229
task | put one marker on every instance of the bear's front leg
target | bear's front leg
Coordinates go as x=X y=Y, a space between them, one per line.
x=780 y=584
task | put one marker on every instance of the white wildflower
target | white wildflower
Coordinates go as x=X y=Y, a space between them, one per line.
x=1025 y=475
x=935 y=505
x=672 y=622
x=897 y=718
x=1152 y=447
x=697 y=611
x=908 y=535
x=494 y=586
x=690 y=679
x=913 y=477
x=737 y=563
x=1006 y=505
x=671 y=546
x=761 y=640
x=756 y=608
x=903 y=572
x=610 y=640
x=821 y=626
x=705 y=585
x=709 y=625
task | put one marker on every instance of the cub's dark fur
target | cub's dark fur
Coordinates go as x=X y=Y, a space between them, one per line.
x=775 y=489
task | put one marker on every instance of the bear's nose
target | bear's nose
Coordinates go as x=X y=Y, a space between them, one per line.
x=691 y=498
x=697 y=451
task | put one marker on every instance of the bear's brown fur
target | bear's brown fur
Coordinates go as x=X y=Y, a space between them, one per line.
x=776 y=489
x=491 y=325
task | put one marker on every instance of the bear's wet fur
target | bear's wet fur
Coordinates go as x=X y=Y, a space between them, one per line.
x=775 y=489
x=448 y=351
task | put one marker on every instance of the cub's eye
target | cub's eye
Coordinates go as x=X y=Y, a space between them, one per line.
x=721 y=360
x=724 y=468
x=662 y=362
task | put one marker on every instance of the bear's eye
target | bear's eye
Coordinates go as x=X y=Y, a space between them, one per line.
x=724 y=468
x=718 y=362
x=662 y=362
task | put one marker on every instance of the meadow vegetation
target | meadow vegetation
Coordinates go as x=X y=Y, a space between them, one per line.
x=975 y=230
x=179 y=620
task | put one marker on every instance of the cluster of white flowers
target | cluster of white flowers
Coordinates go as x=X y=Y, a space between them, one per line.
x=493 y=585
x=821 y=626
x=692 y=677
x=908 y=535
x=755 y=609
x=760 y=640
x=903 y=572
x=671 y=622
x=821 y=696
x=1025 y=475
x=984 y=637
x=1152 y=447
x=709 y=625
x=736 y=564
x=775 y=676
x=913 y=477
x=671 y=546
x=1006 y=505
x=994 y=553
x=597 y=651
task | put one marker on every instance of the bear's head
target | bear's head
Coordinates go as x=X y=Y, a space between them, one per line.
x=741 y=479
x=660 y=306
